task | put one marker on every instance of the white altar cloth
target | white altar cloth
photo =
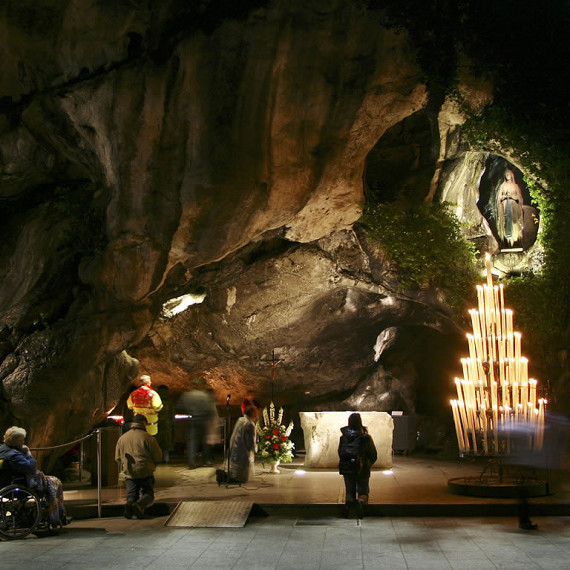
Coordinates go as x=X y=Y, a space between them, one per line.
x=322 y=433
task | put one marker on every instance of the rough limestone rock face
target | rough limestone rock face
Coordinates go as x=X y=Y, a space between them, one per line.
x=139 y=143
x=327 y=311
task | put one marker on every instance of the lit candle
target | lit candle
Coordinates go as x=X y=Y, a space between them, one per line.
x=532 y=396
x=509 y=314
x=471 y=418
x=497 y=310
x=458 y=428
x=480 y=301
x=524 y=370
x=493 y=384
x=502 y=342
x=502 y=309
x=510 y=347
x=489 y=312
x=475 y=322
x=517 y=336
x=515 y=395
x=472 y=349
x=540 y=438
x=465 y=368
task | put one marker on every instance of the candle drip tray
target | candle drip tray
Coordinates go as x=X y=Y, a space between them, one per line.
x=501 y=482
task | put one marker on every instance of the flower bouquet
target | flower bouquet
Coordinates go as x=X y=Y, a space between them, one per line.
x=274 y=445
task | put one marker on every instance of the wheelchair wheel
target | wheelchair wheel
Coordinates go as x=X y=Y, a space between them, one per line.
x=20 y=512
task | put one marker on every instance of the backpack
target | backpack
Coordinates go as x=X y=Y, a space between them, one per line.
x=350 y=458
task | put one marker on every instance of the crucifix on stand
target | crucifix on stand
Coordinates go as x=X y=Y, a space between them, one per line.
x=274 y=364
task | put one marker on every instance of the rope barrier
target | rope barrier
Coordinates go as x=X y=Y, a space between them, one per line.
x=63 y=444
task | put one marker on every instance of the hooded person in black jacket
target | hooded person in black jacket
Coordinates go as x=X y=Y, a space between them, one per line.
x=357 y=454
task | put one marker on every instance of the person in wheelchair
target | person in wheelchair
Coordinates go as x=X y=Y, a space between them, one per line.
x=21 y=466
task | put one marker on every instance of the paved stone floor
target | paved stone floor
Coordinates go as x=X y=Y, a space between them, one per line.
x=297 y=526
x=283 y=540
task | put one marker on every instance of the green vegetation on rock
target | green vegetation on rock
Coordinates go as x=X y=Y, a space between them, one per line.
x=425 y=243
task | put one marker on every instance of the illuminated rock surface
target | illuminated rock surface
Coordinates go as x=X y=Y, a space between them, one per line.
x=149 y=152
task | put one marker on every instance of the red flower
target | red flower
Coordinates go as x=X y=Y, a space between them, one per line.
x=275 y=432
x=267 y=437
x=283 y=438
x=275 y=446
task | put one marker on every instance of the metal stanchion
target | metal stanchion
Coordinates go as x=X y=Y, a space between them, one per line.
x=80 y=459
x=99 y=475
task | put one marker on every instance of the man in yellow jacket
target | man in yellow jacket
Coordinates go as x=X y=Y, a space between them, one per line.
x=144 y=400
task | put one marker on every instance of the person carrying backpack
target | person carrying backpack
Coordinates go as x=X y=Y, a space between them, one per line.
x=357 y=454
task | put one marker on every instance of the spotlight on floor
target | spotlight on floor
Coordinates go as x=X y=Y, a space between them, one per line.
x=388 y=472
x=300 y=472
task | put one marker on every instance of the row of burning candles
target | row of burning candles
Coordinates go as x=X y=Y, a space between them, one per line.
x=490 y=421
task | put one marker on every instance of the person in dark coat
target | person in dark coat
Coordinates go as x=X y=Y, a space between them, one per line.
x=198 y=405
x=242 y=446
x=19 y=462
x=357 y=454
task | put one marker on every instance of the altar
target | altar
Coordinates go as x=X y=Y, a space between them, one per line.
x=321 y=431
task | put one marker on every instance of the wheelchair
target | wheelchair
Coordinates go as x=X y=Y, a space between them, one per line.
x=23 y=512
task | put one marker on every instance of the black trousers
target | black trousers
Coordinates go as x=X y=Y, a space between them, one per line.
x=356 y=485
x=140 y=491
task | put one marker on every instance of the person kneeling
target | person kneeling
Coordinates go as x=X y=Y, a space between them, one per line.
x=137 y=453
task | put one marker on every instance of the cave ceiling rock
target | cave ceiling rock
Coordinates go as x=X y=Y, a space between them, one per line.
x=316 y=305
x=254 y=126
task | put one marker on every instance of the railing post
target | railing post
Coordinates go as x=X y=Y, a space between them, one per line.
x=80 y=459
x=99 y=456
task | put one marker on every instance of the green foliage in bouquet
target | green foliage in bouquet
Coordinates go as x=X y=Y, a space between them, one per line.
x=274 y=443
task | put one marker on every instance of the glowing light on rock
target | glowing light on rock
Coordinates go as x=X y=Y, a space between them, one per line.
x=179 y=304
x=383 y=341
x=495 y=398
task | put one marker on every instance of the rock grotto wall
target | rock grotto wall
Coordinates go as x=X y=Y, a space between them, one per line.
x=155 y=150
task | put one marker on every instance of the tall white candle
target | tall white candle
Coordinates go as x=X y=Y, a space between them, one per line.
x=458 y=428
x=497 y=310
x=532 y=396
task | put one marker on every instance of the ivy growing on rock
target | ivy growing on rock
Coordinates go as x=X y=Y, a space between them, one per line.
x=425 y=243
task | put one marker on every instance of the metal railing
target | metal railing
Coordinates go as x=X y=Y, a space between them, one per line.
x=96 y=433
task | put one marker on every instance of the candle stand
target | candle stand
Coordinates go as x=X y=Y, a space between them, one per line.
x=498 y=415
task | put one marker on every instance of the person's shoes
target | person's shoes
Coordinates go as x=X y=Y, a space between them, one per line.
x=128 y=511
x=139 y=512
x=65 y=520
x=528 y=525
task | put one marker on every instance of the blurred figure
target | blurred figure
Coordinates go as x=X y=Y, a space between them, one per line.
x=165 y=436
x=198 y=405
x=213 y=430
x=548 y=459
x=137 y=453
x=357 y=454
x=144 y=400
x=242 y=446
x=249 y=400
